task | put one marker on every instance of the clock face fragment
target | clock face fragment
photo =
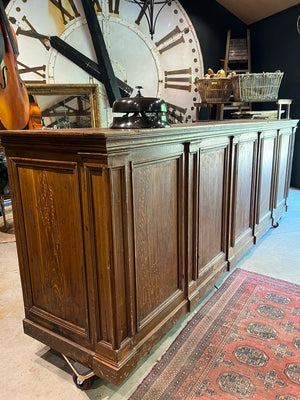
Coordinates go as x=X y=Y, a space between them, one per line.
x=165 y=67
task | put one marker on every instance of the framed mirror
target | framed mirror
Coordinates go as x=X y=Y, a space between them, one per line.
x=66 y=106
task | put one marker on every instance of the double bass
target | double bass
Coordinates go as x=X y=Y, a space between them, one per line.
x=14 y=102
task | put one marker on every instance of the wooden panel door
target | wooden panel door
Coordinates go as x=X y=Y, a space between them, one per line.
x=284 y=154
x=158 y=236
x=104 y=206
x=208 y=205
x=50 y=235
x=265 y=182
x=243 y=175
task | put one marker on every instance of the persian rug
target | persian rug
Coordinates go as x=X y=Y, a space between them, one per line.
x=244 y=343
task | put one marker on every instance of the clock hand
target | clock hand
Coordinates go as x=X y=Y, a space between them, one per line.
x=102 y=55
x=80 y=60
x=87 y=65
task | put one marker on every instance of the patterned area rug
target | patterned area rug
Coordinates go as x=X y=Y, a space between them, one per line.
x=244 y=343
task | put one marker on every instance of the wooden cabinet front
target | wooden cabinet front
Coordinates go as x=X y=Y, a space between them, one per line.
x=157 y=183
x=54 y=272
x=242 y=194
x=282 y=176
x=209 y=165
x=265 y=181
x=120 y=233
x=101 y=244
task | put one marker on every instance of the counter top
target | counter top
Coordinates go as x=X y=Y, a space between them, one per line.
x=124 y=138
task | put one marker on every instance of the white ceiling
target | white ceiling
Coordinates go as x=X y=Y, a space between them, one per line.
x=250 y=11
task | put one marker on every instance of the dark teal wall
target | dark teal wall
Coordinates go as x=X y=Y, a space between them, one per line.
x=276 y=45
x=211 y=22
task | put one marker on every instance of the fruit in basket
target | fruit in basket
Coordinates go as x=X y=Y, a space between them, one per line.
x=221 y=74
x=214 y=87
x=211 y=74
x=231 y=74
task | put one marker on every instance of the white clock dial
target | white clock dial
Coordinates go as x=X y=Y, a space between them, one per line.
x=165 y=67
x=144 y=73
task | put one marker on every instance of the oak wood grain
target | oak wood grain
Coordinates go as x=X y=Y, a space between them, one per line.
x=120 y=233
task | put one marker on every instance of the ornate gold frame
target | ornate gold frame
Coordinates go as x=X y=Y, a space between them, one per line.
x=52 y=89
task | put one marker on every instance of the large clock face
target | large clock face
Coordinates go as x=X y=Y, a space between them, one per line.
x=165 y=67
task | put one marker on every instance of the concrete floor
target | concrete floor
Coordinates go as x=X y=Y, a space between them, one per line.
x=29 y=370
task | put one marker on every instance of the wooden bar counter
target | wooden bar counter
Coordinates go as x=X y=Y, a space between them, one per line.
x=120 y=233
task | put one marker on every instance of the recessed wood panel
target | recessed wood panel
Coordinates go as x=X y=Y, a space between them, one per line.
x=156 y=211
x=121 y=291
x=266 y=170
x=49 y=193
x=244 y=186
x=211 y=205
x=284 y=141
x=105 y=206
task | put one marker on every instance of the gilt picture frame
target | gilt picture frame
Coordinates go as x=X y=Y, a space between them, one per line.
x=52 y=96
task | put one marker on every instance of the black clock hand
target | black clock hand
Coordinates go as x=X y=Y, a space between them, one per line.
x=86 y=64
x=79 y=59
x=102 y=55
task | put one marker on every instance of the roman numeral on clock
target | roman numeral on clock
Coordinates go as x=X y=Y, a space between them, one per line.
x=175 y=112
x=114 y=6
x=66 y=15
x=142 y=12
x=172 y=39
x=180 y=76
x=32 y=33
x=39 y=71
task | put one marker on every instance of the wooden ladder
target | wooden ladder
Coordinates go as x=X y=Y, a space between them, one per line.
x=238 y=59
x=237 y=54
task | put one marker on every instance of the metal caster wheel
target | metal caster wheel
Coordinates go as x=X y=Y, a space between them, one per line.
x=81 y=375
x=82 y=384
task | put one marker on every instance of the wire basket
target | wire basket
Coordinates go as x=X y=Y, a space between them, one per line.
x=256 y=87
x=214 y=90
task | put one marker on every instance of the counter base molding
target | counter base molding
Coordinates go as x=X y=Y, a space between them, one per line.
x=120 y=233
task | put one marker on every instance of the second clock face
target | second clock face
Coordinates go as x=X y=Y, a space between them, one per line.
x=165 y=67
